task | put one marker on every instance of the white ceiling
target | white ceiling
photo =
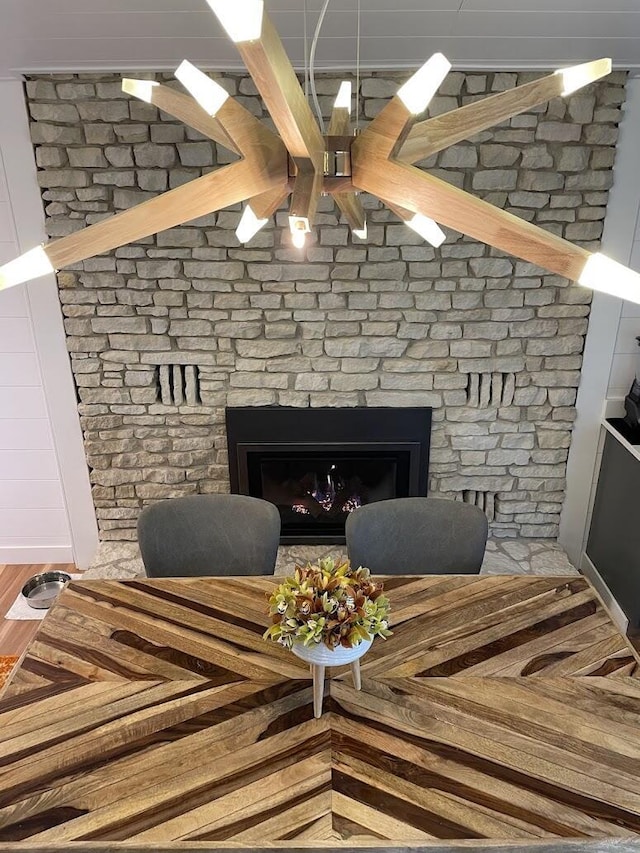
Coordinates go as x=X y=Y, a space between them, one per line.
x=81 y=35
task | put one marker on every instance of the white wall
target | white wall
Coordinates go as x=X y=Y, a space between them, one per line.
x=46 y=512
x=33 y=517
x=607 y=370
x=626 y=358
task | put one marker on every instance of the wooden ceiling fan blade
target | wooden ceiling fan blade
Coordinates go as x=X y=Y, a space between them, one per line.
x=226 y=186
x=180 y=106
x=422 y=193
x=435 y=134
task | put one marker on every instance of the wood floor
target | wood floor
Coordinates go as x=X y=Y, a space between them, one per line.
x=14 y=635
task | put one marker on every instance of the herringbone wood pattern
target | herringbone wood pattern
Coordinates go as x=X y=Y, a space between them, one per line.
x=152 y=712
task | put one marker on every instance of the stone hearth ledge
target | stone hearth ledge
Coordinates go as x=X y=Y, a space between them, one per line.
x=122 y=560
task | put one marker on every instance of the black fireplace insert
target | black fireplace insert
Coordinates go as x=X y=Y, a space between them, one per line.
x=318 y=465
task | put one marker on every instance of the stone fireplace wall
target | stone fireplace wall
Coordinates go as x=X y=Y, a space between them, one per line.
x=166 y=332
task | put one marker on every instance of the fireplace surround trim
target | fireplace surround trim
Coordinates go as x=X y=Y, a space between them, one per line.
x=402 y=431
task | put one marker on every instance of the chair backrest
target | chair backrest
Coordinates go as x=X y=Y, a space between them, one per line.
x=209 y=535
x=409 y=536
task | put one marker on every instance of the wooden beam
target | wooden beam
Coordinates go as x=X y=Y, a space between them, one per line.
x=375 y=172
x=448 y=205
x=251 y=137
x=233 y=126
x=352 y=210
x=435 y=134
x=189 y=111
x=266 y=204
x=331 y=186
x=340 y=142
x=340 y=122
x=264 y=169
x=282 y=94
x=401 y=212
x=275 y=79
x=307 y=186
x=228 y=185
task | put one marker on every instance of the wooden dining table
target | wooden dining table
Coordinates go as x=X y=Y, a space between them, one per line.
x=503 y=713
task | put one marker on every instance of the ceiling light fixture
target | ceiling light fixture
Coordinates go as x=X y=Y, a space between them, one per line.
x=209 y=94
x=343 y=98
x=301 y=163
x=142 y=89
x=419 y=89
x=242 y=20
x=32 y=264
x=427 y=229
x=249 y=225
x=602 y=273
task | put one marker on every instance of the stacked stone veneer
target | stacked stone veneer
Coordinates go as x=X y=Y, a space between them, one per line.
x=165 y=333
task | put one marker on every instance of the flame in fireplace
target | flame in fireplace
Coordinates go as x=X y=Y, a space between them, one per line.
x=328 y=493
x=353 y=503
x=325 y=494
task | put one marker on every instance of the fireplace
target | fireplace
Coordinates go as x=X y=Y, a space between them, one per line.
x=318 y=465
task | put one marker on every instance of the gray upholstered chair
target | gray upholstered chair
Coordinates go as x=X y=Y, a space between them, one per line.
x=209 y=535
x=408 y=536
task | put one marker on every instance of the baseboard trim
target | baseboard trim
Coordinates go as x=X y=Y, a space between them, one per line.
x=617 y=614
x=35 y=554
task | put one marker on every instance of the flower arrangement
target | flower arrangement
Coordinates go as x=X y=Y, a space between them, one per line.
x=328 y=603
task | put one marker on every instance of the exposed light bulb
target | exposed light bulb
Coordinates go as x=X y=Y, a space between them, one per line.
x=242 y=19
x=142 y=89
x=249 y=225
x=601 y=273
x=299 y=227
x=32 y=264
x=577 y=76
x=427 y=228
x=209 y=94
x=299 y=238
x=343 y=98
x=422 y=86
x=361 y=232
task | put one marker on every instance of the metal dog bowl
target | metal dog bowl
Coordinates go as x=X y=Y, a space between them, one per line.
x=41 y=590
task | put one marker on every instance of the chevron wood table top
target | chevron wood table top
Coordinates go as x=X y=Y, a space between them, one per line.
x=503 y=714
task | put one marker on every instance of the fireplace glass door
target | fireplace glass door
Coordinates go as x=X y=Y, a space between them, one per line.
x=315 y=492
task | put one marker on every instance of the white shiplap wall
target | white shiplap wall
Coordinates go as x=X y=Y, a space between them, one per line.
x=46 y=511
x=608 y=326
x=626 y=358
x=33 y=517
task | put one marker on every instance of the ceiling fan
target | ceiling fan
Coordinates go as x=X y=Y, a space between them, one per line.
x=300 y=162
